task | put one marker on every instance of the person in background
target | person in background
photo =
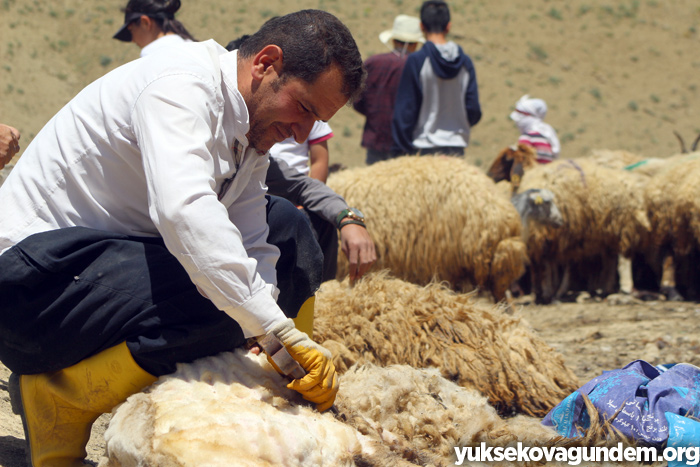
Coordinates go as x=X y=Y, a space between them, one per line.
x=134 y=229
x=437 y=102
x=9 y=144
x=310 y=157
x=151 y=24
x=529 y=116
x=383 y=73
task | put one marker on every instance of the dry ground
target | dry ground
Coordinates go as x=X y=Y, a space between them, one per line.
x=616 y=74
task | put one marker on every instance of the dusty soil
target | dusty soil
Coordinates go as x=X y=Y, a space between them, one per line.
x=617 y=75
x=592 y=337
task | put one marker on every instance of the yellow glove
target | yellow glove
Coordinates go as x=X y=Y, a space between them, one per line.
x=320 y=385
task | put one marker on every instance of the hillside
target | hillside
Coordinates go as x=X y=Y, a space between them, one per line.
x=620 y=75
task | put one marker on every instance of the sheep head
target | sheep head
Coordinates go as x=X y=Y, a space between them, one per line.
x=511 y=163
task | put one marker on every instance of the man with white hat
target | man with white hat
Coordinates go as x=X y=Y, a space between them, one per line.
x=383 y=74
x=529 y=116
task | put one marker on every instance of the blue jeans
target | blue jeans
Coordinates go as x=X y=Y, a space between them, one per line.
x=70 y=293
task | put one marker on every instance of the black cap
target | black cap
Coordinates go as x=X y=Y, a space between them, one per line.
x=124 y=34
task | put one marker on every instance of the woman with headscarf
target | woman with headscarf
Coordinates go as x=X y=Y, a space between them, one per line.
x=528 y=115
x=151 y=24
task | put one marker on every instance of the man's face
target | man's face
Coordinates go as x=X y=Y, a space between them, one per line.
x=283 y=108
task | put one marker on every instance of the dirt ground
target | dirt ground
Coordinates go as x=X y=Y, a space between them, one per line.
x=592 y=336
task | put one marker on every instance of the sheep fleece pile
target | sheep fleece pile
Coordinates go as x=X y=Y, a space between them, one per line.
x=384 y=320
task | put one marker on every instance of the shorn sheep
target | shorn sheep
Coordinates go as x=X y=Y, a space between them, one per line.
x=234 y=409
x=439 y=218
x=604 y=216
x=384 y=320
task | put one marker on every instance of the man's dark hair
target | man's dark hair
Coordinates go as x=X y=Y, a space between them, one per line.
x=311 y=41
x=434 y=16
x=236 y=43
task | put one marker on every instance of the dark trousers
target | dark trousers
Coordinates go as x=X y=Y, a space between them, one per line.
x=327 y=236
x=70 y=293
x=442 y=150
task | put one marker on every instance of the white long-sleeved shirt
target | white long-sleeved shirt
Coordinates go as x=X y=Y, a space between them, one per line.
x=146 y=150
x=168 y=40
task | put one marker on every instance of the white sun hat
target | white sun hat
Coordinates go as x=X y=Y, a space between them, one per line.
x=406 y=29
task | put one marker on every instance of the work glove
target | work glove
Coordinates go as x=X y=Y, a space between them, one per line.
x=320 y=385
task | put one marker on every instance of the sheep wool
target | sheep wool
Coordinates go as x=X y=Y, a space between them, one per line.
x=233 y=409
x=672 y=199
x=436 y=217
x=425 y=412
x=230 y=409
x=384 y=320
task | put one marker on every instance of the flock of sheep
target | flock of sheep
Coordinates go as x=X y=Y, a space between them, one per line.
x=568 y=223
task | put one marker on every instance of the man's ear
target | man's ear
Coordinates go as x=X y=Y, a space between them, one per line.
x=269 y=59
x=447 y=28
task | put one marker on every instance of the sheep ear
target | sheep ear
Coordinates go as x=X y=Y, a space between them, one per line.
x=539 y=200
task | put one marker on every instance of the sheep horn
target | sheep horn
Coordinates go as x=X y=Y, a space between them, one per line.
x=680 y=139
x=694 y=147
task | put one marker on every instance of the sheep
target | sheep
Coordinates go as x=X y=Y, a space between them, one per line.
x=651 y=267
x=511 y=163
x=673 y=209
x=604 y=217
x=435 y=217
x=234 y=409
x=385 y=320
x=615 y=158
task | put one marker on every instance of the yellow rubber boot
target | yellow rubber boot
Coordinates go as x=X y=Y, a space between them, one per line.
x=59 y=408
x=305 y=318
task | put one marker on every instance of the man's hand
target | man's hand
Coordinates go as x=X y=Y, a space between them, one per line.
x=358 y=248
x=320 y=385
x=9 y=144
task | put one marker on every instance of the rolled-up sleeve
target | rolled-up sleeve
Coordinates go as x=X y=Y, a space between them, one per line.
x=224 y=251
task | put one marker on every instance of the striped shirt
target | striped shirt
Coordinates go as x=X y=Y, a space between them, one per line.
x=542 y=146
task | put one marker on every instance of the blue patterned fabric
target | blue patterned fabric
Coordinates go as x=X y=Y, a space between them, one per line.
x=654 y=404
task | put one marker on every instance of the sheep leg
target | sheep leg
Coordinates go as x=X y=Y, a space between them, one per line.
x=608 y=278
x=624 y=270
x=687 y=274
x=545 y=281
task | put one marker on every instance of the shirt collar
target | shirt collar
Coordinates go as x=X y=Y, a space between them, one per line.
x=229 y=73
